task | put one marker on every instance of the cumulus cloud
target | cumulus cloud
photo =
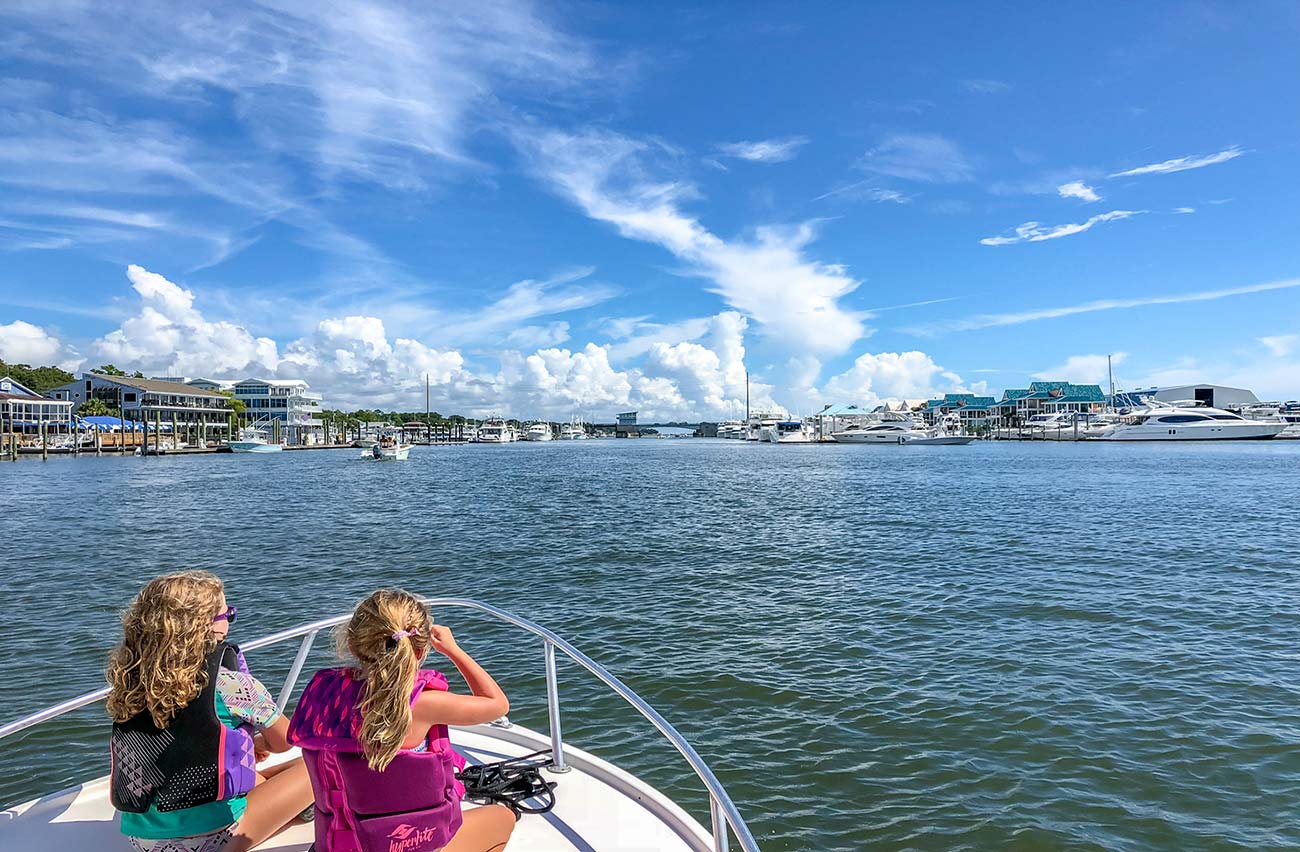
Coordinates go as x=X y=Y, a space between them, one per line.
x=891 y=376
x=924 y=157
x=1034 y=232
x=768 y=277
x=1082 y=369
x=24 y=343
x=1078 y=189
x=765 y=150
x=1182 y=164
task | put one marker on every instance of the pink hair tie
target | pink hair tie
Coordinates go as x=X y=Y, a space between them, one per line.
x=402 y=634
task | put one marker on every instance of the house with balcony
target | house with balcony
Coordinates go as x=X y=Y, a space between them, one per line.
x=289 y=401
x=151 y=400
x=1018 y=405
x=23 y=409
x=971 y=410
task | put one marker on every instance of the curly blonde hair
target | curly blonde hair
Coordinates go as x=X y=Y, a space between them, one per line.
x=388 y=665
x=166 y=636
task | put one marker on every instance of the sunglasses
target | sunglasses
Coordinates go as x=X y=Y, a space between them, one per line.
x=228 y=616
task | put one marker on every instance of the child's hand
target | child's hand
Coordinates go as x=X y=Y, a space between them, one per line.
x=442 y=640
x=260 y=751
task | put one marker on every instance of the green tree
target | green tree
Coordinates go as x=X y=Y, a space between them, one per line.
x=237 y=405
x=39 y=379
x=96 y=407
x=110 y=370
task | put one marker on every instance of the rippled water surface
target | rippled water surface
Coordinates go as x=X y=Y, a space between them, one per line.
x=1001 y=646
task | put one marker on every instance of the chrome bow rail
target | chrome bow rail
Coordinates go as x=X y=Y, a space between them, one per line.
x=722 y=811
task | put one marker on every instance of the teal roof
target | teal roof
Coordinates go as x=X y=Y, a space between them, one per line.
x=960 y=400
x=841 y=409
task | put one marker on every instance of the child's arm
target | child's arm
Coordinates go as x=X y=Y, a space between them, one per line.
x=488 y=701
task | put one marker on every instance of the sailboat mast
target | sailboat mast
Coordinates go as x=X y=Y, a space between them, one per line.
x=746 y=396
x=1110 y=372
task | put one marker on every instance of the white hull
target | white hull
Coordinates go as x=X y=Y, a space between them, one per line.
x=539 y=435
x=253 y=447
x=598 y=806
x=391 y=453
x=941 y=441
x=890 y=437
x=1226 y=432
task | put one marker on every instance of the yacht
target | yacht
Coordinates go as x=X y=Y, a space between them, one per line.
x=495 y=431
x=1287 y=412
x=787 y=432
x=904 y=430
x=538 y=432
x=1057 y=426
x=731 y=430
x=573 y=431
x=754 y=426
x=253 y=440
x=597 y=805
x=1178 y=422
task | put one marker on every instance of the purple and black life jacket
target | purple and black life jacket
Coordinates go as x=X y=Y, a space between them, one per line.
x=411 y=806
x=195 y=760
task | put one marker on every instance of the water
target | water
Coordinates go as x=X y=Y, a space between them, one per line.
x=1001 y=646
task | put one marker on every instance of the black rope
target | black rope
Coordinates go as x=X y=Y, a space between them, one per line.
x=511 y=783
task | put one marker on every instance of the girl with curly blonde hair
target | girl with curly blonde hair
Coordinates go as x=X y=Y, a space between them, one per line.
x=376 y=743
x=189 y=723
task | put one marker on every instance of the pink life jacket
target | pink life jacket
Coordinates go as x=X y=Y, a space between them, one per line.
x=412 y=806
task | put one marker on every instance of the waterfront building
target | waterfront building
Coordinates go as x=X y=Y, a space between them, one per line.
x=21 y=407
x=837 y=416
x=151 y=400
x=626 y=427
x=971 y=410
x=289 y=401
x=1213 y=396
x=1019 y=404
x=209 y=384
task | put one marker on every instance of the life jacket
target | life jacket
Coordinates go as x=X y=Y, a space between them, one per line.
x=195 y=760
x=413 y=805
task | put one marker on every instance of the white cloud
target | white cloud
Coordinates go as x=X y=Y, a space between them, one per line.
x=890 y=376
x=863 y=191
x=767 y=277
x=1281 y=345
x=995 y=320
x=1034 y=232
x=1078 y=189
x=1184 y=210
x=24 y=343
x=537 y=336
x=1082 y=369
x=985 y=87
x=1182 y=164
x=765 y=150
x=925 y=157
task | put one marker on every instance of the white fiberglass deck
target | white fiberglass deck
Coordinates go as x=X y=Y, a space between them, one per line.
x=598 y=808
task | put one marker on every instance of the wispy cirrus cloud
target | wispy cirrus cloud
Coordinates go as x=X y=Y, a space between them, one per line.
x=1035 y=232
x=865 y=190
x=985 y=87
x=994 y=320
x=769 y=277
x=765 y=150
x=1182 y=164
x=923 y=157
x=1281 y=345
x=1078 y=189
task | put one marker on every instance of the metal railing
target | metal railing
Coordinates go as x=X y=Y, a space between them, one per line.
x=723 y=812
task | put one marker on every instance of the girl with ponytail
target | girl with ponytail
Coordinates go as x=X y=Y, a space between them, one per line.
x=386 y=716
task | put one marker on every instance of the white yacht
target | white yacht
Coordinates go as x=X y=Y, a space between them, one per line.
x=731 y=430
x=754 y=426
x=1287 y=412
x=894 y=430
x=574 y=430
x=598 y=805
x=1161 y=421
x=538 y=432
x=495 y=431
x=1058 y=426
x=787 y=432
x=253 y=440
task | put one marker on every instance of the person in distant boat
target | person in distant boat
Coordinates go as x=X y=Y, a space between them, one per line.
x=190 y=723
x=375 y=738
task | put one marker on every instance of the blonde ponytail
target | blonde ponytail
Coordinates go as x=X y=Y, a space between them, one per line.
x=389 y=636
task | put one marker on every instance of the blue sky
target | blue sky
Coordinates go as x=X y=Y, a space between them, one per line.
x=559 y=208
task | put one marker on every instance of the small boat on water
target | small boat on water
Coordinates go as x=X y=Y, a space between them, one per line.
x=253 y=440
x=390 y=448
x=495 y=431
x=598 y=805
x=787 y=432
x=574 y=430
x=903 y=430
x=538 y=432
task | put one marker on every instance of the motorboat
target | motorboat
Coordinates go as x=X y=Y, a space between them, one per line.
x=888 y=430
x=495 y=431
x=1160 y=421
x=754 y=426
x=1287 y=412
x=598 y=805
x=1054 y=426
x=390 y=448
x=574 y=430
x=538 y=432
x=253 y=440
x=787 y=432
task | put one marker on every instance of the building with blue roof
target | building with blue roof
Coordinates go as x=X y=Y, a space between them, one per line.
x=971 y=410
x=1019 y=404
